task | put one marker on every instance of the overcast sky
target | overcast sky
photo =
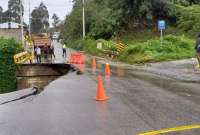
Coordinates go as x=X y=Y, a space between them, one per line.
x=60 y=7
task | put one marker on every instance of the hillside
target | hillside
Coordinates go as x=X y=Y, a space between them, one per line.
x=135 y=24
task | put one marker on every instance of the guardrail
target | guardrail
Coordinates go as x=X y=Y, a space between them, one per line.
x=111 y=54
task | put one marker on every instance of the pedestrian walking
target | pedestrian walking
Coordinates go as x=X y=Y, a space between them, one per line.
x=64 y=50
x=197 y=48
x=38 y=54
x=35 y=51
x=52 y=52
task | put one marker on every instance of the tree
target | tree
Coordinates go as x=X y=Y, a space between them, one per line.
x=14 y=10
x=1 y=14
x=40 y=19
x=7 y=16
x=186 y=2
x=191 y=2
x=105 y=18
x=1 y=9
x=55 y=20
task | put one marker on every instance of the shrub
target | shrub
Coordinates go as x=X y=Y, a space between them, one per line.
x=188 y=19
x=151 y=51
x=8 y=47
x=173 y=48
x=90 y=45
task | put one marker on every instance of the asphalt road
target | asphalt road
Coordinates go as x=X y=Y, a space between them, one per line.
x=138 y=102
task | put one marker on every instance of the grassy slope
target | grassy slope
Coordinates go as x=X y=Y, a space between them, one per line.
x=174 y=47
x=144 y=45
x=141 y=50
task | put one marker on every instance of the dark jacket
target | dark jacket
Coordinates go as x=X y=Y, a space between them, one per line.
x=46 y=50
x=197 y=43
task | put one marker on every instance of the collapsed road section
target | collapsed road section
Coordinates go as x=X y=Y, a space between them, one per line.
x=40 y=75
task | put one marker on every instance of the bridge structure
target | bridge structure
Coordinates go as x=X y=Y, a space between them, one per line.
x=41 y=74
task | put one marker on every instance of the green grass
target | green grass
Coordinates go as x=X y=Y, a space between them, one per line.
x=143 y=45
x=138 y=51
x=139 y=36
x=90 y=46
x=174 y=48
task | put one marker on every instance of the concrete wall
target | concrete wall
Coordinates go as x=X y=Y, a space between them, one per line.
x=36 y=70
x=11 y=33
x=39 y=75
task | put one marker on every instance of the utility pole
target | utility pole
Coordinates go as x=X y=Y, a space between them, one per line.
x=161 y=37
x=29 y=18
x=83 y=19
x=22 y=21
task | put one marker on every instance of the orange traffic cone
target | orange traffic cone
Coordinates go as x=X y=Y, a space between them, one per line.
x=94 y=64
x=101 y=96
x=107 y=70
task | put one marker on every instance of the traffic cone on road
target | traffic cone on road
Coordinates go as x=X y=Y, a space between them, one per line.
x=107 y=69
x=94 y=64
x=100 y=96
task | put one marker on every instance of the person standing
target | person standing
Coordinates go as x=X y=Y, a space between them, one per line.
x=46 y=51
x=38 y=54
x=197 y=48
x=52 y=52
x=35 y=51
x=64 y=50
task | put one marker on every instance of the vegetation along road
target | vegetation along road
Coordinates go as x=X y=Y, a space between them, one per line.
x=100 y=67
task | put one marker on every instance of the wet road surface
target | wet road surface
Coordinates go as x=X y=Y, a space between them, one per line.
x=135 y=106
x=139 y=102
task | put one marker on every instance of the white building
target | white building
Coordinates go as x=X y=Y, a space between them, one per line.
x=9 y=25
x=10 y=30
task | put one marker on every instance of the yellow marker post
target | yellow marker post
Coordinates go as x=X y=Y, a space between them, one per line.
x=176 y=129
x=197 y=66
x=120 y=47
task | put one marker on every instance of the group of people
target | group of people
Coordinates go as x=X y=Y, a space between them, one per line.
x=46 y=51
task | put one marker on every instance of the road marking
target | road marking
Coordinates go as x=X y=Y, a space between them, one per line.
x=176 y=129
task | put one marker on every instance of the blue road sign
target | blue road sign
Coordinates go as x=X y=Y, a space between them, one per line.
x=161 y=25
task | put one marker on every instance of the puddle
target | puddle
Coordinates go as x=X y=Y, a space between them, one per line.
x=187 y=90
